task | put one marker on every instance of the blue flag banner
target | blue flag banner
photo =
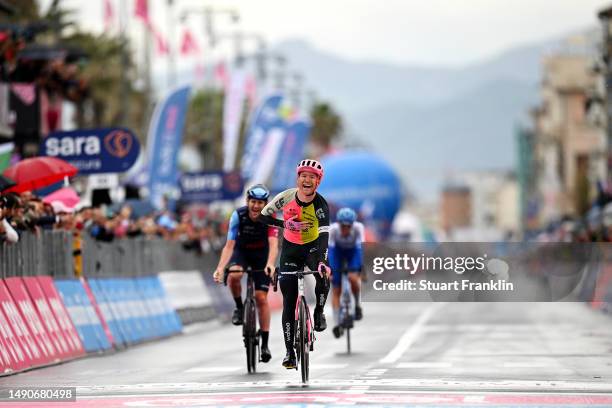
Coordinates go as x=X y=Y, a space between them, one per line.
x=107 y=150
x=265 y=117
x=292 y=151
x=208 y=186
x=164 y=140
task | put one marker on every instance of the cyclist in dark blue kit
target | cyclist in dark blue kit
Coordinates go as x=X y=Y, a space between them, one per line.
x=255 y=245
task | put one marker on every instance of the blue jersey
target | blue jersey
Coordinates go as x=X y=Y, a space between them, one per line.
x=354 y=239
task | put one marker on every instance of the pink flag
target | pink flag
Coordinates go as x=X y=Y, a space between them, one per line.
x=109 y=15
x=141 y=10
x=189 y=44
x=221 y=74
x=160 y=42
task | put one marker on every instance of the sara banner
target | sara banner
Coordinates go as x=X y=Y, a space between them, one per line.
x=164 y=140
x=208 y=186
x=232 y=116
x=106 y=150
x=291 y=152
x=265 y=118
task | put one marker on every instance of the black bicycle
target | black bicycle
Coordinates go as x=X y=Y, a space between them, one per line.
x=346 y=314
x=249 y=327
x=304 y=334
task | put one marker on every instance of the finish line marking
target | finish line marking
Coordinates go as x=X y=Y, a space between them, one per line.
x=410 y=336
x=414 y=385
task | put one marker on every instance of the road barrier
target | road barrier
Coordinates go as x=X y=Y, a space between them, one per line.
x=129 y=291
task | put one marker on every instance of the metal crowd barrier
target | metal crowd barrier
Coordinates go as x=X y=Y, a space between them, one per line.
x=46 y=253
x=53 y=253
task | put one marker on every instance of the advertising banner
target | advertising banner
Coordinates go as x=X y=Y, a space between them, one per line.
x=93 y=151
x=208 y=186
x=46 y=316
x=31 y=352
x=164 y=140
x=82 y=314
x=16 y=354
x=31 y=319
x=291 y=152
x=265 y=117
x=232 y=116
x=61 y=315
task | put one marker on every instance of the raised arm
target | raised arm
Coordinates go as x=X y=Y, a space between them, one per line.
x=274 y=205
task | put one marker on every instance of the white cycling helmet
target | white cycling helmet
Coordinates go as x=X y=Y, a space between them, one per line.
x=311 y=166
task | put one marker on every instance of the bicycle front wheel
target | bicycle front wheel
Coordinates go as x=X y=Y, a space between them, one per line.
x=251 y=340
x=303 y=342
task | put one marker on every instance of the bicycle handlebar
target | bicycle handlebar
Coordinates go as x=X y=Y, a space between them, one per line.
x=298 y=273
x=248 y=271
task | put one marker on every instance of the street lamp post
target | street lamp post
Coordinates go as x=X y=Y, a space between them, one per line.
x=171 y=54
x=279 y=76
x=296 y=92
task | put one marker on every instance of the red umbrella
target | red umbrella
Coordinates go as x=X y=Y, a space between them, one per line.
x=38 y=172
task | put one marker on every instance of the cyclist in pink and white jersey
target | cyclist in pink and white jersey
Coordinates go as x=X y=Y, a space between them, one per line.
x=306 y=233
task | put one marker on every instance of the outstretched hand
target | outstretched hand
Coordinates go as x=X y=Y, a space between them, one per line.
x=296 y=226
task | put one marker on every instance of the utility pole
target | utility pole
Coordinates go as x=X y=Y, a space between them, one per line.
x=124 y=94
x=148 y=86
x=171 y=62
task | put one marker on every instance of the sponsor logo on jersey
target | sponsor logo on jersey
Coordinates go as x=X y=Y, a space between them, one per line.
x=320 y=214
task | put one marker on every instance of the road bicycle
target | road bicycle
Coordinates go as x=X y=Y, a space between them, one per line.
x=346 y=311
x=304 y=334
x=250 y=333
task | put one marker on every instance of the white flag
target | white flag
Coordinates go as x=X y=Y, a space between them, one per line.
x=232 y=115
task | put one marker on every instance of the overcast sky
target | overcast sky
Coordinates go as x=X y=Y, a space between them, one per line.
x=432 y=32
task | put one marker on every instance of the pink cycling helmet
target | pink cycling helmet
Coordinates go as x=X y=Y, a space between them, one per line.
x=311 y=166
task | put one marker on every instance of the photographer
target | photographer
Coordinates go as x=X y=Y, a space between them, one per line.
x=7 y=232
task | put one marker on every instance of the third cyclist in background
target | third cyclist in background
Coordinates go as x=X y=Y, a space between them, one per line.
x=345 y=238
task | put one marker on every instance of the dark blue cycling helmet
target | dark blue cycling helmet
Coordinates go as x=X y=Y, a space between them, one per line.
x=346 y=216
x=258 y=192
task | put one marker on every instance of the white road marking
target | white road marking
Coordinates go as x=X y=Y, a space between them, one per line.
x=525 y=364
x=205 y=369
x=474 y=399
x=410 y=336
x=425 y=364
x=414 y=385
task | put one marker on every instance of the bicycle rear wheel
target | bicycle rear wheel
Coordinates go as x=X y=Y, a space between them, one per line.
x=303 y=342
x=348 y=341
x=251 y=340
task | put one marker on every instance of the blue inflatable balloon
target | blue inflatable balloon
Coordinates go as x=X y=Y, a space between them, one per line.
x=364 y=182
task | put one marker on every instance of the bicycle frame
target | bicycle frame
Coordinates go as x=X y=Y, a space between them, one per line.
x=301 y=298
x=250 y=333
x=306 y=339
x=346 y=316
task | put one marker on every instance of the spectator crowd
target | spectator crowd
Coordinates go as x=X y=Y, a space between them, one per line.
x=200 y=229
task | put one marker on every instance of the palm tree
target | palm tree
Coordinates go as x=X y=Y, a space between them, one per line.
x=103 y=70
x=326 y=124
